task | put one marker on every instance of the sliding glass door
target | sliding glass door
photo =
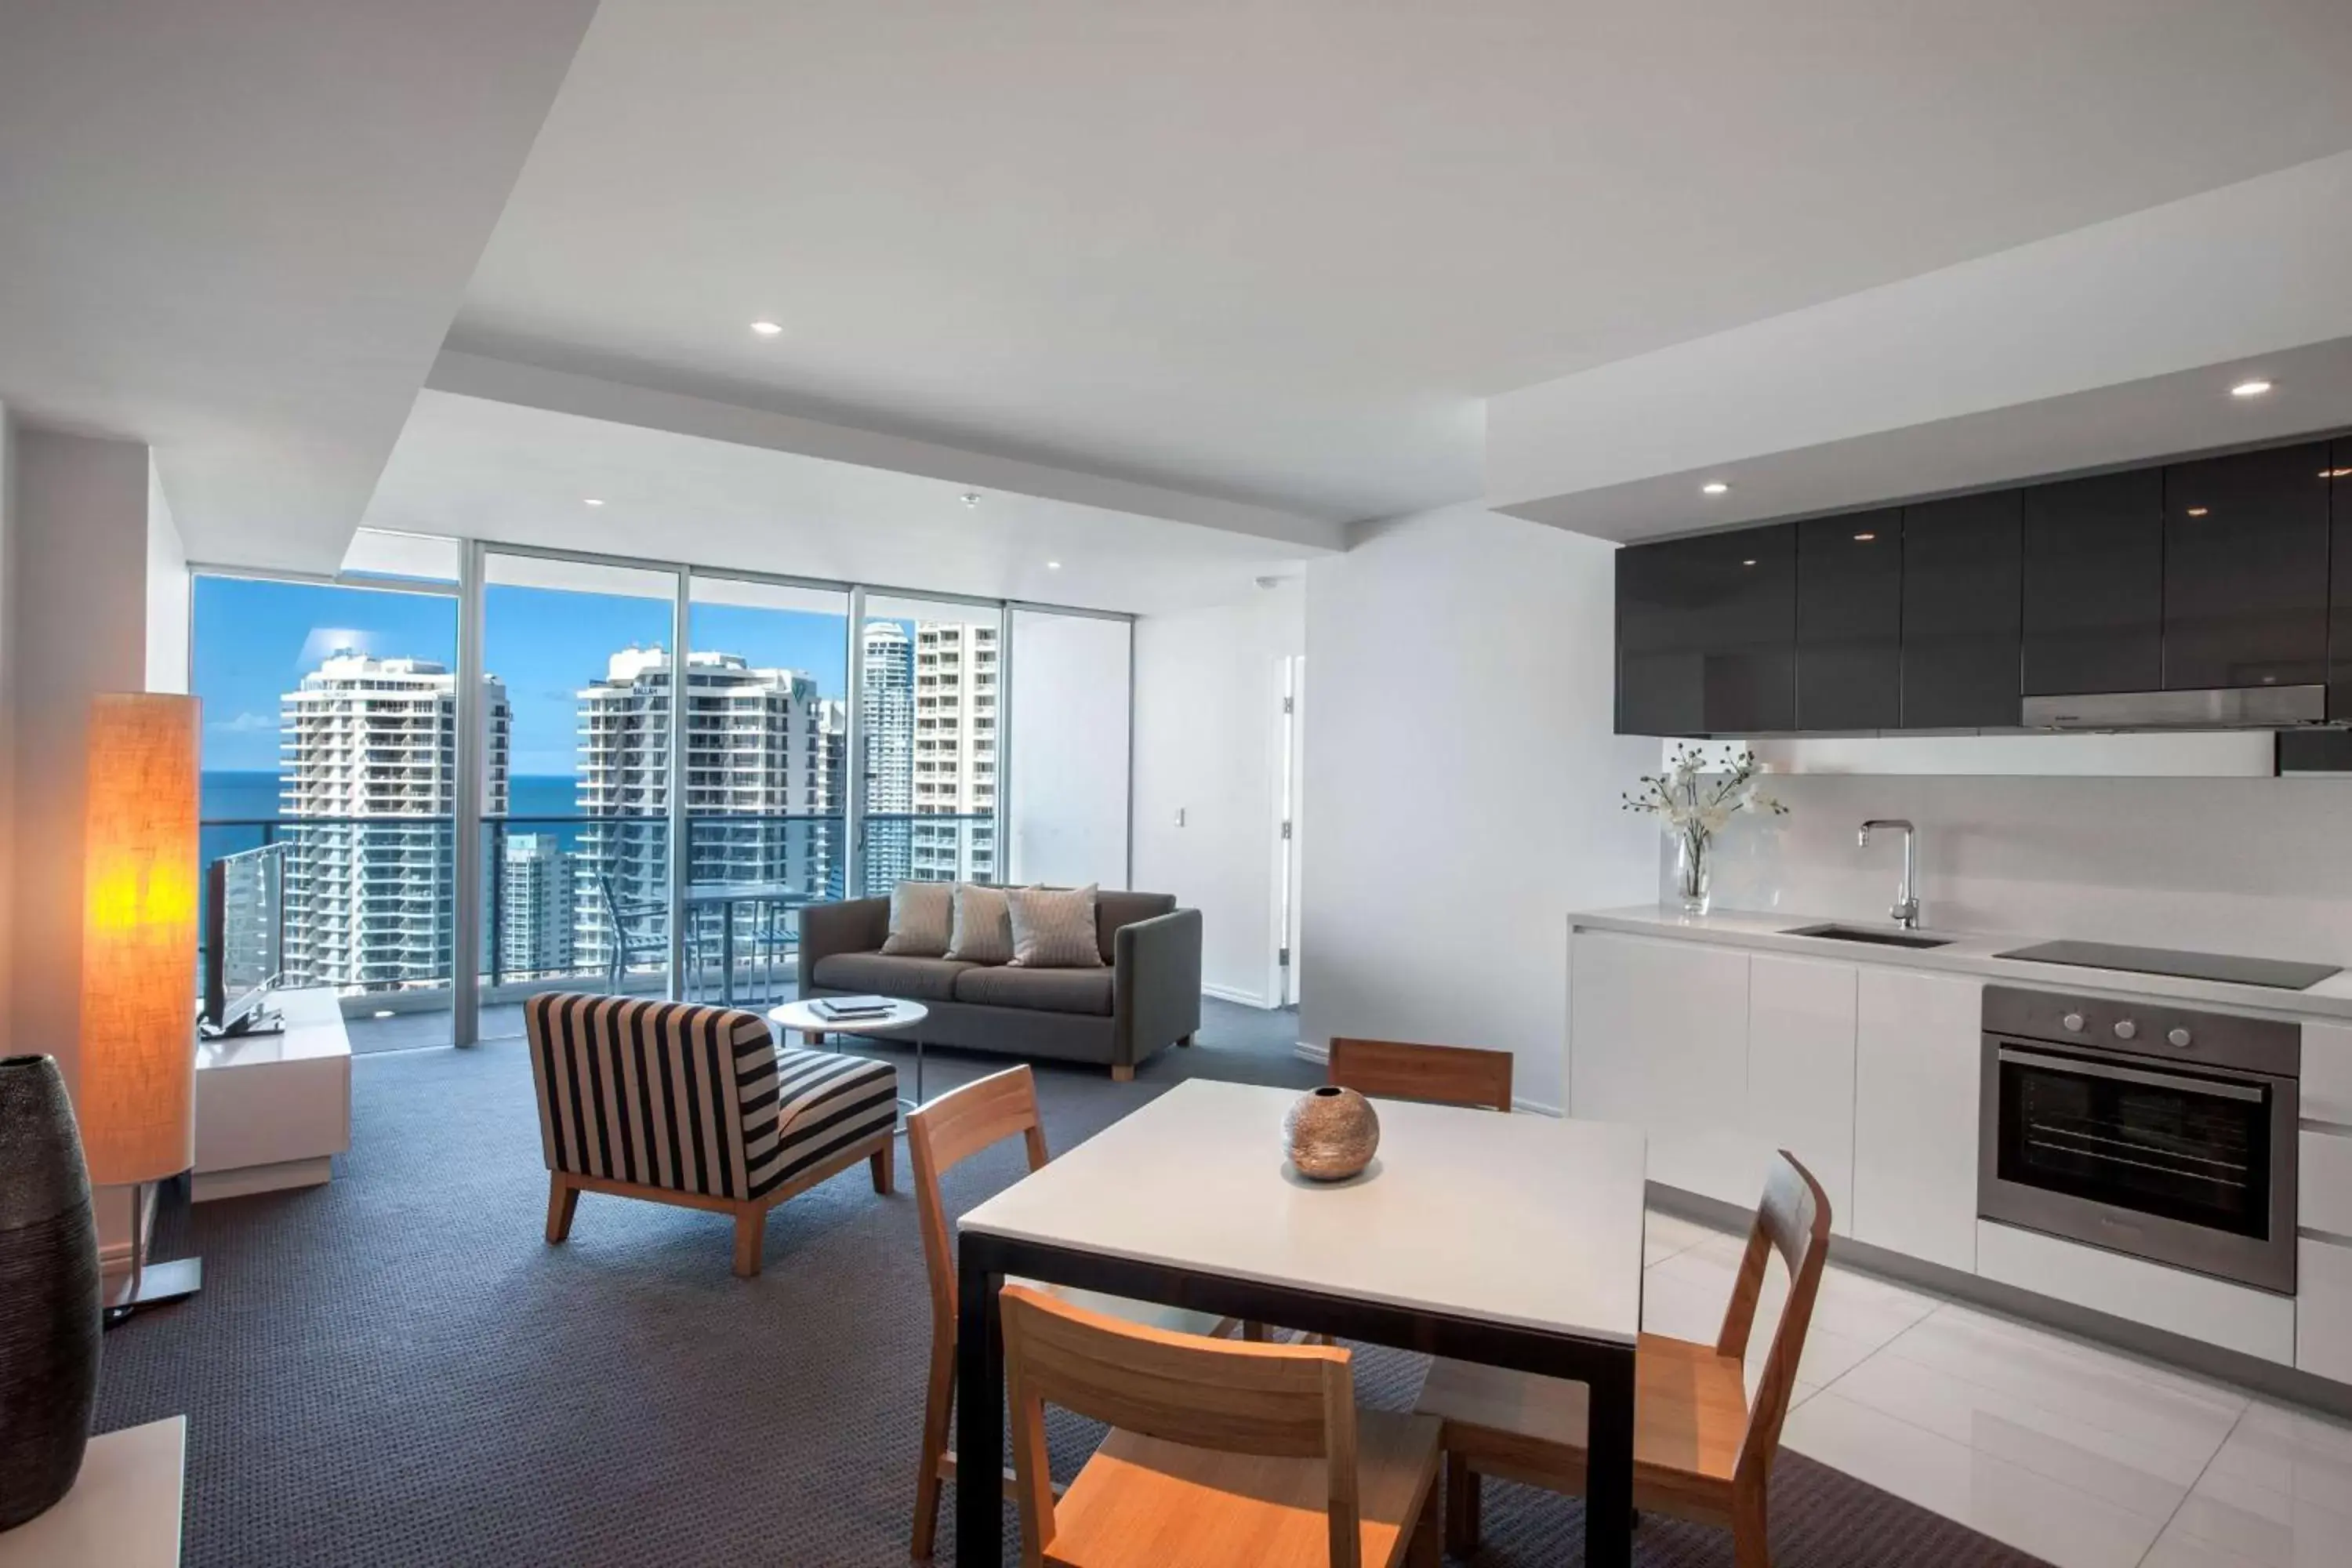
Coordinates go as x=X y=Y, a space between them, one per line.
x=767 y=738
x=929 y=693
x=329 y=787
x=576 y=809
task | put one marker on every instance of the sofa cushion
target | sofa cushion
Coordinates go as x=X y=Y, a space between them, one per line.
x=921 y=917
x=984 y=925
x=887 y=974
x=1053 y=928
x=1039 y=990
x=1115 y=908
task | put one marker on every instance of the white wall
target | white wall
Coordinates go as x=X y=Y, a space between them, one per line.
x=1462 y=785
x=169 y=603
x=79 y=604
x=76 y=616
x=1208 y=740
x=1067 y=766
x=2258 y=866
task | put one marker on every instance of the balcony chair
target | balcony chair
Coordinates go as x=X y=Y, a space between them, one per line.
x=629 y=942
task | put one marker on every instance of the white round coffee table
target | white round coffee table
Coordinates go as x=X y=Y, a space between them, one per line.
x=806 y=1019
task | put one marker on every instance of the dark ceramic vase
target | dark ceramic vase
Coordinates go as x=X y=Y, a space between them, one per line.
x=49 y=1291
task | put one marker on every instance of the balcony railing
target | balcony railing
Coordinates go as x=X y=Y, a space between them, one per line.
x=370 y=907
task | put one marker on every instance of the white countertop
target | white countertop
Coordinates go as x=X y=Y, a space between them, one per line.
x=1527 y=1220
x=123 y=1511
x=1968 y=952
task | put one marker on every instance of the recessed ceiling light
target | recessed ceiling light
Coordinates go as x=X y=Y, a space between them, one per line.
x=1052 y=566
x=766 y=328
x=971 y=497
x=592 y=500
x=1747 y=563
x=1864 y=538
x=2249 y=389
x=2197 y=511
x=1713 y=488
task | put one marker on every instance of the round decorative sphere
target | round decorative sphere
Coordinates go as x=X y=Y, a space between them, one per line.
x=1331 y=1134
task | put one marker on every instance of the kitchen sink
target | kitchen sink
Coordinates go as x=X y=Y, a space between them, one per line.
x=1883 y=936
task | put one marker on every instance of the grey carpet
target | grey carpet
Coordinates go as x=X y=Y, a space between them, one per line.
x=395 y=1371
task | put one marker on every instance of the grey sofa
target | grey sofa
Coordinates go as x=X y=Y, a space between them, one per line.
x=1146 y=995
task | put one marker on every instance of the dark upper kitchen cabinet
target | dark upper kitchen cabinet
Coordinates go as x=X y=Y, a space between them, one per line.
x=1850 y=622
x=2093 y=599
x=2246 y=569
x=2339 y=638
x=1705 y=634
x=1961 y=613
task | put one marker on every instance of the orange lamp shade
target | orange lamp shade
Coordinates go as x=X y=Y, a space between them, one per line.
x=136 y=1099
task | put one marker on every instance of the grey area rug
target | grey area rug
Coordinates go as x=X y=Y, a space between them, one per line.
x=396 y=1371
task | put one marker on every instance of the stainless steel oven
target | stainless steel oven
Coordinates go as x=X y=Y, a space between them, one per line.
x=2145 y=1128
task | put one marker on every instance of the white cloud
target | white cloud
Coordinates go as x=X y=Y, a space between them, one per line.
x=246 y=724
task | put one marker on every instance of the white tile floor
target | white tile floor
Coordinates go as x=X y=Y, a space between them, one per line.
x=2082 y=1455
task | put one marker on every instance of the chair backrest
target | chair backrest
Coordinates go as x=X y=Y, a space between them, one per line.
x=661 y=1094
x=1793 y=1221
x=942 y=1134
x=1236 y=1397
x=1450 y=1075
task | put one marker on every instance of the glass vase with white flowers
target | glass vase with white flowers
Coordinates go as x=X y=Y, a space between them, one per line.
x=1694 y=799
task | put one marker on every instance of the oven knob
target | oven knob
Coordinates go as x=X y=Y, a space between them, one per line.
x=2178 y=1038
x=2073 y=1022
x=2126 y=1029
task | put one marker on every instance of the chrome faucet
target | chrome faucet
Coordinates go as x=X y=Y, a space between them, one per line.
x=1906 y=897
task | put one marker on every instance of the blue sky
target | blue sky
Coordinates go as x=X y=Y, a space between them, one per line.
x=254 y=640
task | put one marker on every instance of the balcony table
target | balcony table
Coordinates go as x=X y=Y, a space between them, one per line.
x=1515 y=1241
x=724 y=897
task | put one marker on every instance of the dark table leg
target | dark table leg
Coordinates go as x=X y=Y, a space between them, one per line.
x=980 y=1408
x=1609 y=1464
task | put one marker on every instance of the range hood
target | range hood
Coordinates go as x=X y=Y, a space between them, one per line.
x=2216 y=707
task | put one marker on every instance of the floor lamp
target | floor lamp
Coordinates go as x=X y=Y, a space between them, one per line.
x=136 y=1099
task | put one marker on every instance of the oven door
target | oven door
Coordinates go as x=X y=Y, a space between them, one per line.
x=2191 y=1167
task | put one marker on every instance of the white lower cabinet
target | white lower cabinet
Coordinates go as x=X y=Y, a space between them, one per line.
x=1801 y=1044
x=2322 y=1310
x=1916 y=1083
x=1658 y=1038
x=2195 y=1306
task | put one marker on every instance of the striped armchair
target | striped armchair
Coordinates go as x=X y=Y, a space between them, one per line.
x=695 y=1106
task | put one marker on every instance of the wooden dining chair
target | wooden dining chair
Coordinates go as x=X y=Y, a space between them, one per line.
x=1221 y=1452
x=1701 y=1451
x=1449 y=1074
x=941 y=1135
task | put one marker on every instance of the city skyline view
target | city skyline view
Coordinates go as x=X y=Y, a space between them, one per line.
x=256 y=639
x=335 y=710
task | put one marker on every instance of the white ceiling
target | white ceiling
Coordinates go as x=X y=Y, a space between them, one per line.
x=497 y=470
x=1281 y=253
x=239 y=232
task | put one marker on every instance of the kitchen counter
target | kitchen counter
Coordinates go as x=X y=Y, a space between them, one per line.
x=1968 y=952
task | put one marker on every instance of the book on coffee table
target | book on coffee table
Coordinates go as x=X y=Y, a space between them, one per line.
x=846 y=1008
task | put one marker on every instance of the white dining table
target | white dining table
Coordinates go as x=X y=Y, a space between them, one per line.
x=1510 y=1240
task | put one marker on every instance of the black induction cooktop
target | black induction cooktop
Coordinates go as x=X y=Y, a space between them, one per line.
x=2277 y=974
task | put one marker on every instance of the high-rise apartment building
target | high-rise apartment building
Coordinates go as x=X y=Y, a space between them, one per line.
x=955 y=752
x=536 y=907
x=833 y=795
x=754 y=757
x=887 y=737
x=368 y=759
